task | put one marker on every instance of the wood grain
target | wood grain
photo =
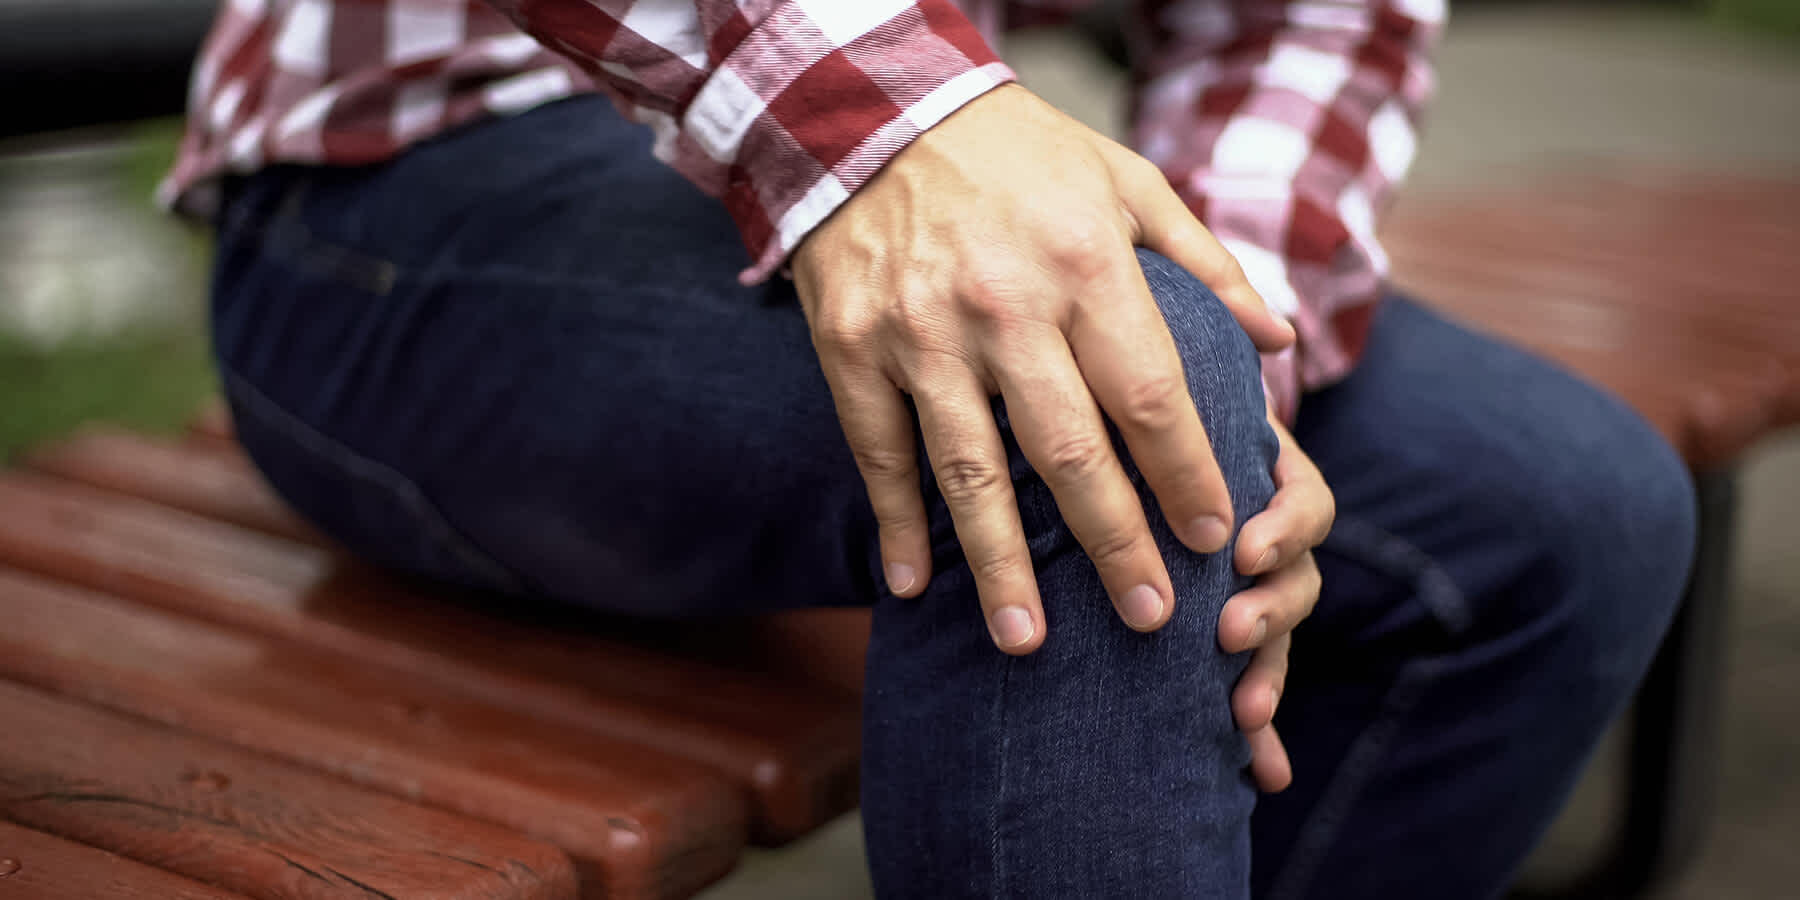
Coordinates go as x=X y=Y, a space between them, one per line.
x=641 y=824
x=217 y=482
x=38 y=866
x=792 y=744
x=1674 y=289
x=234 y=820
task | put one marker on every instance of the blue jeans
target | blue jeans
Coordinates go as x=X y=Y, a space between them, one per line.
x=518 y=359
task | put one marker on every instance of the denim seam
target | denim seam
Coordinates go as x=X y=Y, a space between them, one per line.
x=997 y=884
x=299 y=245
x=1327 y=819
x=284 y=236
x=1375 y=547
x=1402 y=560
x=362 y=468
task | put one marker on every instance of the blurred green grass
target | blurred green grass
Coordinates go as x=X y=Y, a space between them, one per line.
x=1776 y=17
x=149 y=377
x=153 y=380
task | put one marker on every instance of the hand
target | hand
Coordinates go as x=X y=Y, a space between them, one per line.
x=994 y=255
x=1276 y=546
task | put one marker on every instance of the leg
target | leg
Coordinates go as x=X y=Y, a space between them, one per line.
x=518 y=358
x=1510 y=548
x=1107 y=762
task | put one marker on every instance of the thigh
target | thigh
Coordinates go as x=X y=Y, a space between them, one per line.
x=1510 y=546
x=519 y=355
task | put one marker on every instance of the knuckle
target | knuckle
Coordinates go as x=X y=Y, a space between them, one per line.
x=1076 y=457
x=994 y=567
x=916 y=318
x=1154 y=403
x=965 y=480
x=992 y=297
x=1085 y=248
x=1140 y=170
x=1328 y=518
x=842 y=331
x=1231 y=272
x=1112 y=550
x=885 y=464
x=1312 y=583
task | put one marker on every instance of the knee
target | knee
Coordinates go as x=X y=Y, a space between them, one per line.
x=1622 y=501
x=1224 y=373
x=1617 y=519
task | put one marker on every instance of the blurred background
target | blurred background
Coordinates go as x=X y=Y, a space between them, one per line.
x=102 y=298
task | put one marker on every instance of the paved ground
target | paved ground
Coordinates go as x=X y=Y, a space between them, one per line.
x=1525 y=89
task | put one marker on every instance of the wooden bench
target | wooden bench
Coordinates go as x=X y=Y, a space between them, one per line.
x=156 y=590
x=203 y=699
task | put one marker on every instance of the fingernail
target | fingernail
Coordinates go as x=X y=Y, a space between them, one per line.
x=1260 y=632
x=1012 y=627
x=900 y=577
x=1208 y=534
x=1265 y=562
x=1142 y=607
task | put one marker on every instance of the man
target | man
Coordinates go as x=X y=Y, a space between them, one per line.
x=984 y=370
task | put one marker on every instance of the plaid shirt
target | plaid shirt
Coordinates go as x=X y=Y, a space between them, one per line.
x=1285 y=126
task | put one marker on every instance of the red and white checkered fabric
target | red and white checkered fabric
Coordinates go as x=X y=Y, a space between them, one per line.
x=1285 y=125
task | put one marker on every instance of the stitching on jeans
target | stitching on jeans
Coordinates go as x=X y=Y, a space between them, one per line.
x=283 y=235
x=1400 y=559
x=364 y=469
x=997 y=887
x=1322 y=826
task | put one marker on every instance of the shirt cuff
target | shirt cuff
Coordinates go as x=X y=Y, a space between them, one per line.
x=814 y=102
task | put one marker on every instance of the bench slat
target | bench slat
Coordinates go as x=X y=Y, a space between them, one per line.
x=38 y=866
x=643 y=824
x=215 y=482
x=1704 y=342
x=795 y=748
x=238 y=821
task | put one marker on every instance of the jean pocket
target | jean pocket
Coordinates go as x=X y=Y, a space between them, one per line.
x=1364 y=564
x=272 y=212
x=372 y=509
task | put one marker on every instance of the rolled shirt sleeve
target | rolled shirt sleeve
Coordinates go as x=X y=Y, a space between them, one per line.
x=783 y=110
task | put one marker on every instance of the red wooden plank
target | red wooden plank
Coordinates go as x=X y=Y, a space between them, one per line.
x=217 y=482
x=38 y=866
x=793 y=744
x=826 y=646
x=238 y=821
x=640 y=823
x=212 y=425
x=1705 y=342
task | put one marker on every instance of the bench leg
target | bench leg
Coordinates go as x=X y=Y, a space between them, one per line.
x=1673 y=769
